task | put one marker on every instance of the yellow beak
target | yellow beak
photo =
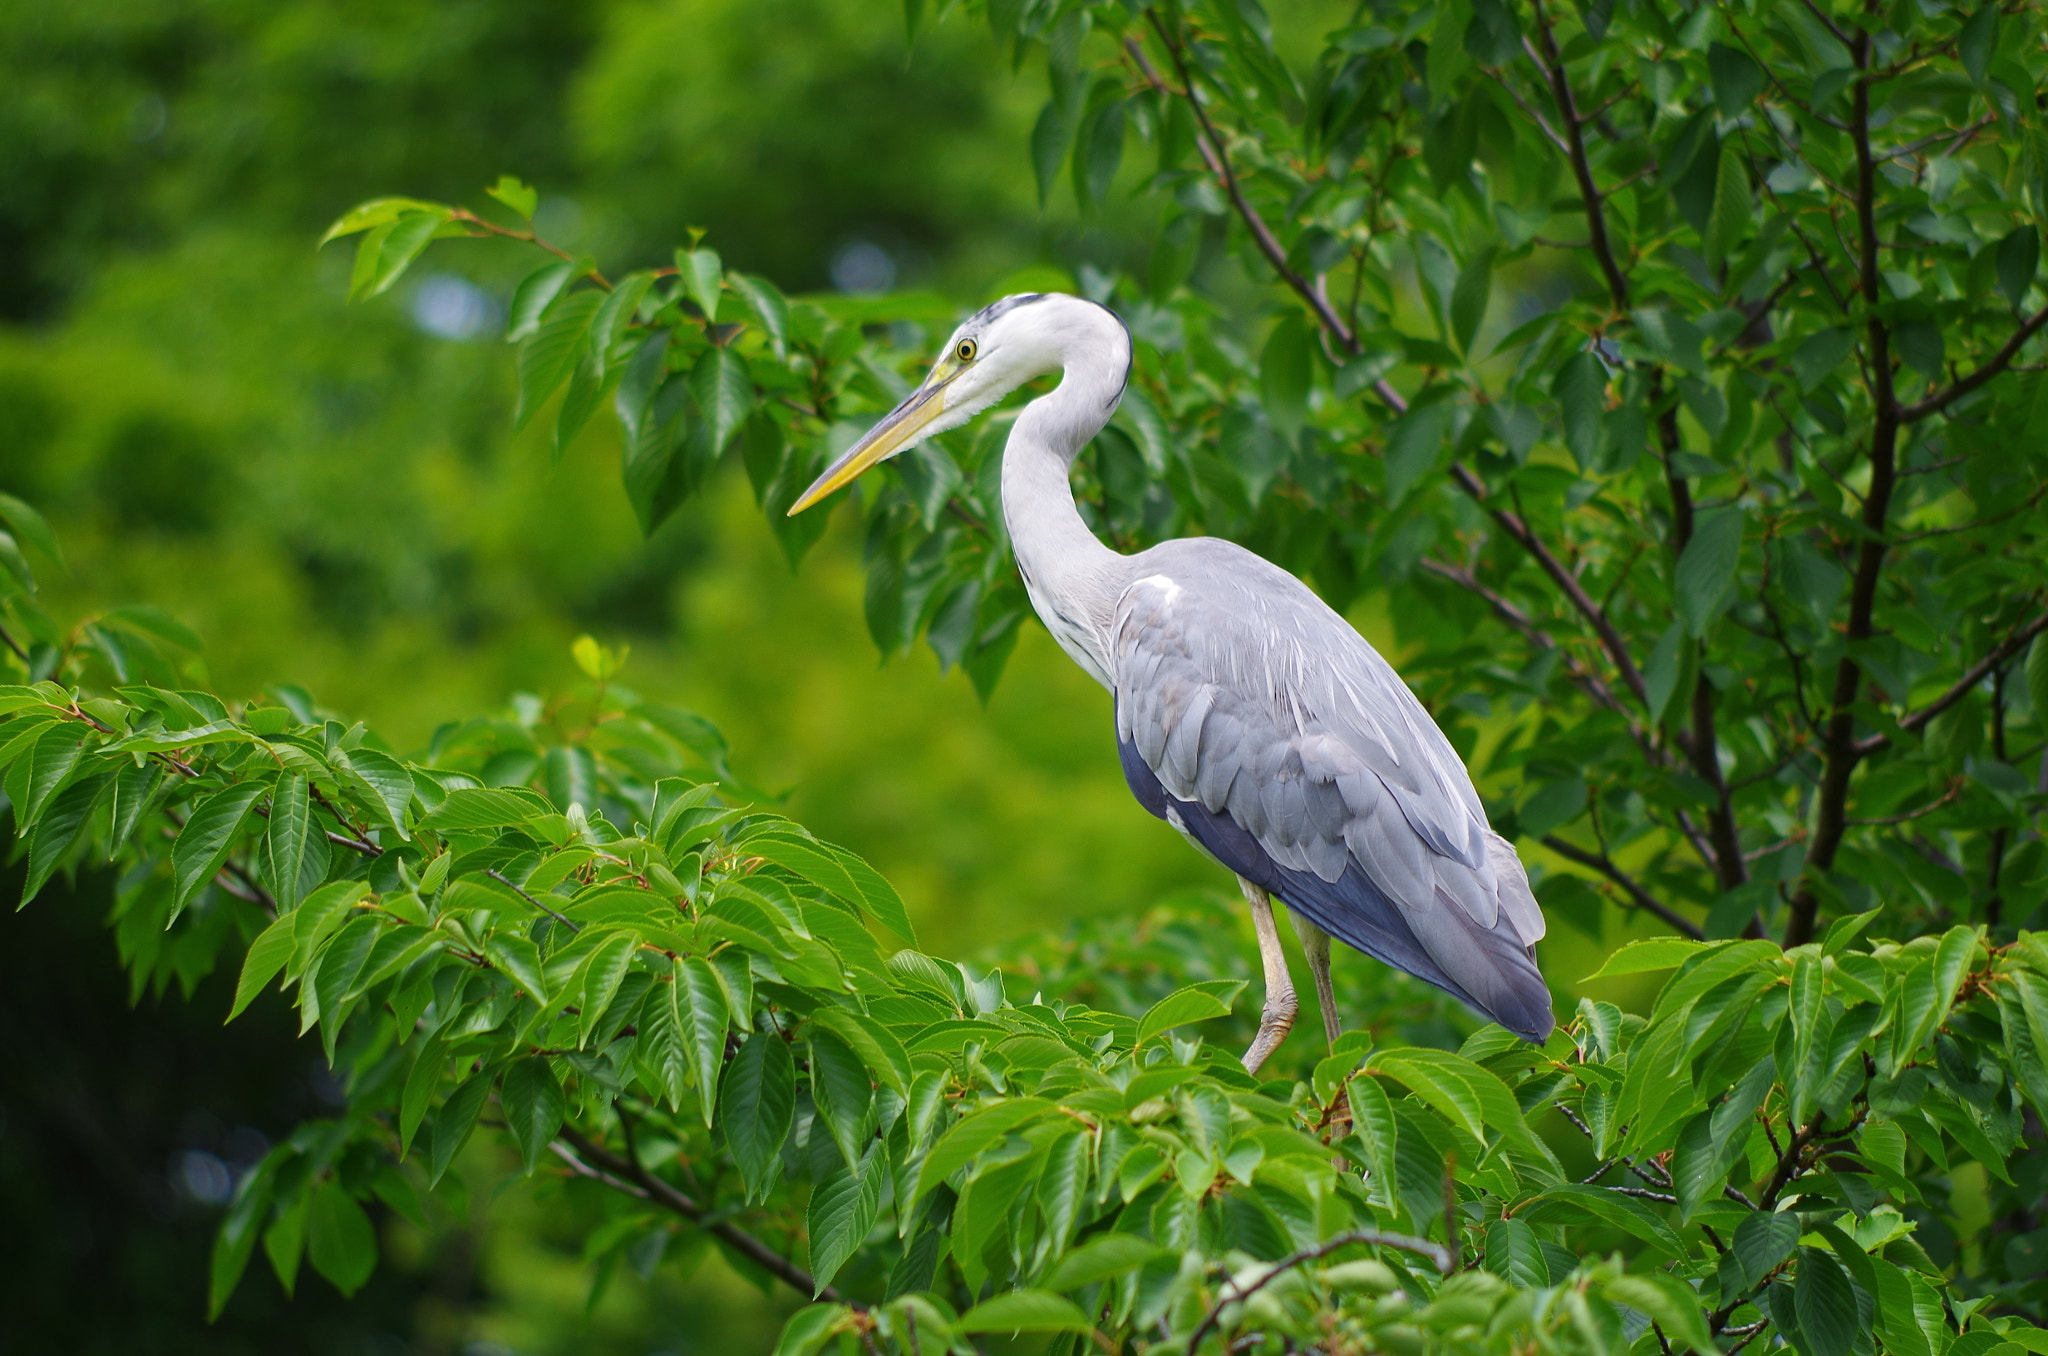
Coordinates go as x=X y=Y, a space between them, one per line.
x=884 y=440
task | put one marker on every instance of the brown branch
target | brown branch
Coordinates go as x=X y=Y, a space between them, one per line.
x=1642 y=898
x=1999 y=653
x=1219 y=164
x=568 y=923
x=1955 y=788
x=738 y=1239
x=1840 y=748
x=1421 y=1247
x=1515 y=526
x=1552 y=65
x=1997 y=363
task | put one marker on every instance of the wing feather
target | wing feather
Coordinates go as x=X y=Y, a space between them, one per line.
x=1245 y=695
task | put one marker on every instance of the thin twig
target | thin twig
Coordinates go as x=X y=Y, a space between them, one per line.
x=1642 y=898
x=2001 y=652
x=1421 y=1247
x=568 y=923
x=738 y=1239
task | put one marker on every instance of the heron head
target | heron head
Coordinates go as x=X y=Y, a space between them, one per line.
x=992 y=353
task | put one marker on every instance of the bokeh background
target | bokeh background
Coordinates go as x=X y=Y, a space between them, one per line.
x=332 y=496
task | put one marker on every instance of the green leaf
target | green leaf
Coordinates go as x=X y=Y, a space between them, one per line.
x=724 y=394
x=701 y=272
x=769 y=306
x=1025 y=1311
x=536 y=292
x=1570 y=1201
x=662 y=1049
x=1736 y=77
x=266 y=957
x=1050 y=136
x=703 y=1017
x=1285 y=369
x=756 y=1105
x=2035 y=671
x=32 y=528
x=401 y=243
x=339 y=1239
x=551 y=354
x=236 y=1241
x=1654 y=953
x=840 y=1087
x=454 y=1122
x=809 y=1328
x=384 y=778
x=602 y=973
x=421 y=1082
x=1101 y=1257
x=1102 y=153
x=208 y=837
x=2018 y=259
x=534 y=1107
x=1469 y=297
x=518 y=196
x=1413 y=445
x=376 y=212
x=1828 y=1320
x=1729 y=220
x=1513 y=1254
x=1670 y=1304
x=843 y=1209
x=59 y=827
x=1372 y=1113
x=1194 y=1003
x=879 y=1050
x=1761 y=1241
x=969 y=1137
x=616 y=312
x=286 y=839
x=1581 y=390
x=1705 y=583
x=475 y=807
x=1975 y=45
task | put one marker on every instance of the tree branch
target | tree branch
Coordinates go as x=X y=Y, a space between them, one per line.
x=1997 y=363
x=1840 y=748
x=1977 y=673
x=1421 y=1247
x=1643 y=899
x=1552 y=66
x=661 y=1193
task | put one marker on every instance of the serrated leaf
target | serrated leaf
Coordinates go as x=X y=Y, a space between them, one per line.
x=59 y=827
x=2018 y=259
x=1736 y=77
x=756 y=1103
x=551 y=353
x=534 y=1107
x=1469 y=297
x=1581 y=390
x=1826 y=1306
x=518 y=196
x=1100 y=1258
x=203 y=845
x=265 y=958
x=1025 y=1311
x=769 y=306
x=536 y=292
x=1705 y=582
x=1761 y=1241
x=602 y=973
x=724 y=393
x=841 y=1089
x=701 y=271
x=843 y=1210
x=339 y=1240
x=399 y=245
x=1514 y=1254
x=703 y=1019
x=376 y=212
x=454 y=1122
x=1193 y=1003
x=421 y=1082
x=477 y=807
x=1286 y=366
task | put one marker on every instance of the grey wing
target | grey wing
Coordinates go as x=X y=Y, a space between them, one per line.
x=1268 y=730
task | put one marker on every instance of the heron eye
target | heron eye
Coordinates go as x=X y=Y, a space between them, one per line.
x=965 y=352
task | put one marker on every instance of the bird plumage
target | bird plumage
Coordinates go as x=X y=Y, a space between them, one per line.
x=1249 y=714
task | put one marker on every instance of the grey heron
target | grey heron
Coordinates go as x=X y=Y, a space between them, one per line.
x=1249 y=714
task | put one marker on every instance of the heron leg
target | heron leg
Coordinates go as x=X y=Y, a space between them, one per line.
x=1316 y=944
x=1276 y=1019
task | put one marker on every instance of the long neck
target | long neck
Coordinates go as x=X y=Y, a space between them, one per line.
x=1073 y=579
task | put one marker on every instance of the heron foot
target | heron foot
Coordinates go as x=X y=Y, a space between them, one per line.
x=1276 y=1019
